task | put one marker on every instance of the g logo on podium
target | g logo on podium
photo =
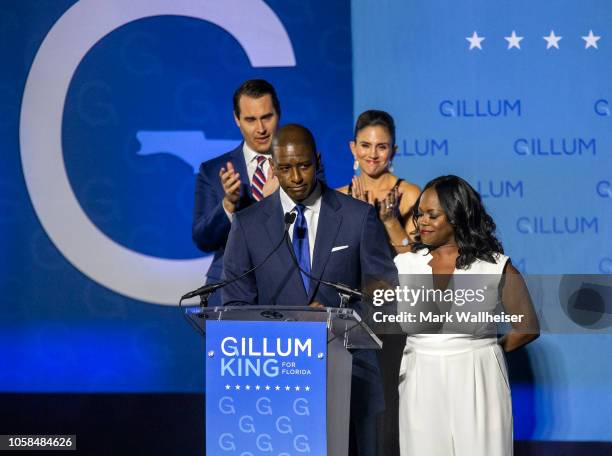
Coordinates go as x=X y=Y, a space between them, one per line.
x=130 y=273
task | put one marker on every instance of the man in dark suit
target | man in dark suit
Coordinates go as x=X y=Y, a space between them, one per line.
x=334 y=237
x=238 y=178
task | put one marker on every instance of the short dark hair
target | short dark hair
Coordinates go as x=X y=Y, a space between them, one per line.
x=294 y=134
x=473 y=227
x=256 y=88
x=374 y=118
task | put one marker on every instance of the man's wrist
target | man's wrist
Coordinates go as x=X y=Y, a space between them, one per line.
x=228 y=205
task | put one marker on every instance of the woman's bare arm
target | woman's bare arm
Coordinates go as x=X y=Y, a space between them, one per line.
x=516 y=301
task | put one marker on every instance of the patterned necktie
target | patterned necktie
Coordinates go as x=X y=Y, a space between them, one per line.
x=301 y=246
x=259 y=179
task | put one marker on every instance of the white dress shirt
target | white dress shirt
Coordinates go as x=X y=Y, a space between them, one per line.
x=250 y=158
x=312 y=209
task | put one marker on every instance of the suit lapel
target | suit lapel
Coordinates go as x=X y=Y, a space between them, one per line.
x=274 y=227
x=274 y=213
x=327 y=230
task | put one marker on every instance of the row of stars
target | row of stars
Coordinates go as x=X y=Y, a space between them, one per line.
x=514 y=41
x=267 y=387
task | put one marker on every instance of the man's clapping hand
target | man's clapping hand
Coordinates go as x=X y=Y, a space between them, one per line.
x=271 y=184
x=230 y=180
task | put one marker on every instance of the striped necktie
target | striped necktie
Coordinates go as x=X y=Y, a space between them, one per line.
x=259 y=179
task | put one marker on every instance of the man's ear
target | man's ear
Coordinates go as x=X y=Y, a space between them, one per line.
x=237 y=120
x=318 y=160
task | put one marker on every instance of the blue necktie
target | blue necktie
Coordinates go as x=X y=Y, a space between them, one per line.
x=301 y=246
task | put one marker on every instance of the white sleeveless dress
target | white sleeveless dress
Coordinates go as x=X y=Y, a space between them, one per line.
x=453 y=388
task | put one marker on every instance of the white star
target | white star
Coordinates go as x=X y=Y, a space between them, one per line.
x=297 y=388
x=591 y=40
x=513 y=40
x=237 y=387
x=287 y=388
x=257 y=387
x=248 y=387
x=307 y=388
x=475 y=41
x=227 y=387
x=552 y=40
x=277 y=388
x=267 y=387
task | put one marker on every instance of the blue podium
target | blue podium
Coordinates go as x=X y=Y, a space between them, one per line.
x=278 y=379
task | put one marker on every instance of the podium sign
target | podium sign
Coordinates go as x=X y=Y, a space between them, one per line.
x=278 y=378
x=266 y=388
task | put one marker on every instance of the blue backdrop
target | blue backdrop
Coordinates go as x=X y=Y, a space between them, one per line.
x=529 y=126
x=107 y=108
x=107 y=113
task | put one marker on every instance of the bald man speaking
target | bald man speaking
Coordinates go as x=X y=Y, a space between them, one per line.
x=334 y=237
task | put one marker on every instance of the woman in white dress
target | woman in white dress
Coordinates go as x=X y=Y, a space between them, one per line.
x=453 y=383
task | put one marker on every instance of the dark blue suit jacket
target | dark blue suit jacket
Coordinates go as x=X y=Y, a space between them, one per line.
x=211 y=225
x=351 y=226
x=343 y=221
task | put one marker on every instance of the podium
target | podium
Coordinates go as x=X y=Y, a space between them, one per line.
x=278 y=379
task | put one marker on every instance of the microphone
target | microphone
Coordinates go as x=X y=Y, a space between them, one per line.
x=206 y=289
x=339 y=287
x=288 y=220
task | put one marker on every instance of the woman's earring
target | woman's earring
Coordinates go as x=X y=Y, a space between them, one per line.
x=355 y=165
x=390 y=167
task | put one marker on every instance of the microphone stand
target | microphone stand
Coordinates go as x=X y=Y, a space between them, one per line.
x=207 y=290
x=344 y=299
